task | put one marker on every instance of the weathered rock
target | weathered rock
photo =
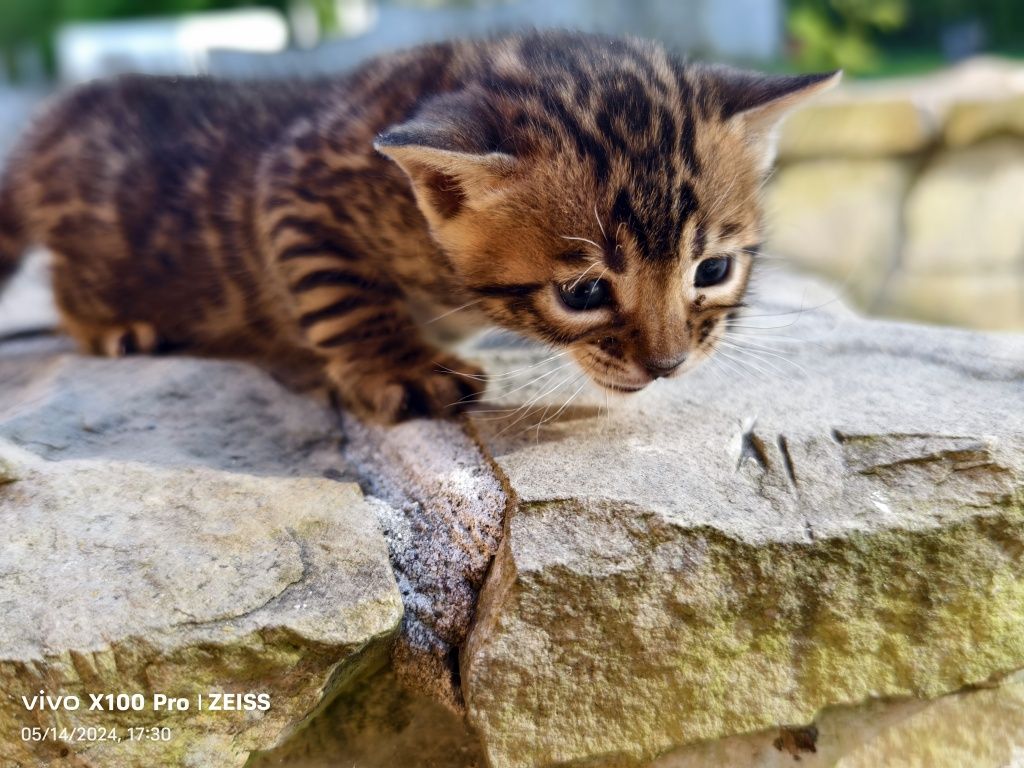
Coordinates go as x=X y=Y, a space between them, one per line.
x=178 y=412
x=966 y=211
x=123 y=578
x=993 y=300
x=981 y=729
x=857 y=126
x=443 y=521
x=793 y=527
x=841 y=218
x=674 y=572
x=921 y=173
x=971 y=121
x=380 y=723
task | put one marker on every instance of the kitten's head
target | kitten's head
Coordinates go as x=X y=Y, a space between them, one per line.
x=598 y=194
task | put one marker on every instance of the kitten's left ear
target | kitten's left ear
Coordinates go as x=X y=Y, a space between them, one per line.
x=760 y=102
x=447 y=160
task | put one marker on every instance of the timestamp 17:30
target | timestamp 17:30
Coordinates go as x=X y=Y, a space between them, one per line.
x=97 y=733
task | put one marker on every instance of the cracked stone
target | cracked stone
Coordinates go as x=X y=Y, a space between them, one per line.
x=121 y=577
x=437 y=502
x=834 y=523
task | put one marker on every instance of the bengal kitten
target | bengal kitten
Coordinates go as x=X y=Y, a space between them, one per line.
x=597 y=194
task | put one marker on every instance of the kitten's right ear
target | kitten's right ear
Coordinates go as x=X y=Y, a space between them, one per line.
x=760 y=102
x=448 y=174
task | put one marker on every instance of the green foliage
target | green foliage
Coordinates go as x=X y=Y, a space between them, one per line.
x=874 y=36
x=326 y=14
x=22 y=20
x=839 y=33
x=1003 y=20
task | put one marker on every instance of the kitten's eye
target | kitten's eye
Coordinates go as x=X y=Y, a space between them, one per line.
x=712 y=271
x=582 y=295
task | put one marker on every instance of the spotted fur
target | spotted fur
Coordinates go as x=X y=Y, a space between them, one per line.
x=327 y=221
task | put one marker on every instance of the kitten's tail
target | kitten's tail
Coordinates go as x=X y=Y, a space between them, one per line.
x=13 y=234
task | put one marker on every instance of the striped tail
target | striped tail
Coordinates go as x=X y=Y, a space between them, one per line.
x=12 y=234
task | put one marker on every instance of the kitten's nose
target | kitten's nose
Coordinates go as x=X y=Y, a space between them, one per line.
x=659 y=367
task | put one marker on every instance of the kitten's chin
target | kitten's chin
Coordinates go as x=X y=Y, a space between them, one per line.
x=622 y=388
x=604 y=375
x=632 y=386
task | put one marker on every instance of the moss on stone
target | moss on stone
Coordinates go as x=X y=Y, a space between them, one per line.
x=690 y=635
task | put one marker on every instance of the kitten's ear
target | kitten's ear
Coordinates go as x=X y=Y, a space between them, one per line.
x=448 y=175
x=760 y=102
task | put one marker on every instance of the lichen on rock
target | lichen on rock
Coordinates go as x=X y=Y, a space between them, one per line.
x=722 y=558
x=772 y=554
x=123 y=578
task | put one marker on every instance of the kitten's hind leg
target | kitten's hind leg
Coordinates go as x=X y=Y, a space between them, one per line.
x=111 y=340
x=130 y=339
x=98 y=327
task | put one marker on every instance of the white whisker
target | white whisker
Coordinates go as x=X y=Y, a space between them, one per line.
x=733 y=365
x=747 y=342
x=529 y=383
x=599 y=224
x=763 y=357
x=557 y=413
x=772 y=373
x=773 y=338
x=453 y=311
x=577 y=281
x=582 y=240
x=506 y=374
x=525 y=408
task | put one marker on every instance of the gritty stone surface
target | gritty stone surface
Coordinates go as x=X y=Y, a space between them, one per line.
x=807 y=523
x=437 y=502
x=380 y=723
x=805 y=528
x=443 y=521
x=981 y=729
x=164 y=411
x=121 y=577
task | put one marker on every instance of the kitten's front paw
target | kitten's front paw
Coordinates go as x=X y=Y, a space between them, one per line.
x=444 y=388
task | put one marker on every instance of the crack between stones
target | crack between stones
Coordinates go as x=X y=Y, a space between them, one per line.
x=444 y=527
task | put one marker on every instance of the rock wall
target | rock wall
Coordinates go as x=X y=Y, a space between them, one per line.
x=823 y=521
x=188 y=527
x=812 y=547
x=910 y=194
x=122 y=578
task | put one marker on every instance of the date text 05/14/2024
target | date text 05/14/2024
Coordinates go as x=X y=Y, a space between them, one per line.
x=97 y=733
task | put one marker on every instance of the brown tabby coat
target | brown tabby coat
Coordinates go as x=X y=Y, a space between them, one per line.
x=331 y=219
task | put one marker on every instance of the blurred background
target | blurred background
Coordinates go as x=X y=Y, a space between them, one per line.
x=905 y=187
